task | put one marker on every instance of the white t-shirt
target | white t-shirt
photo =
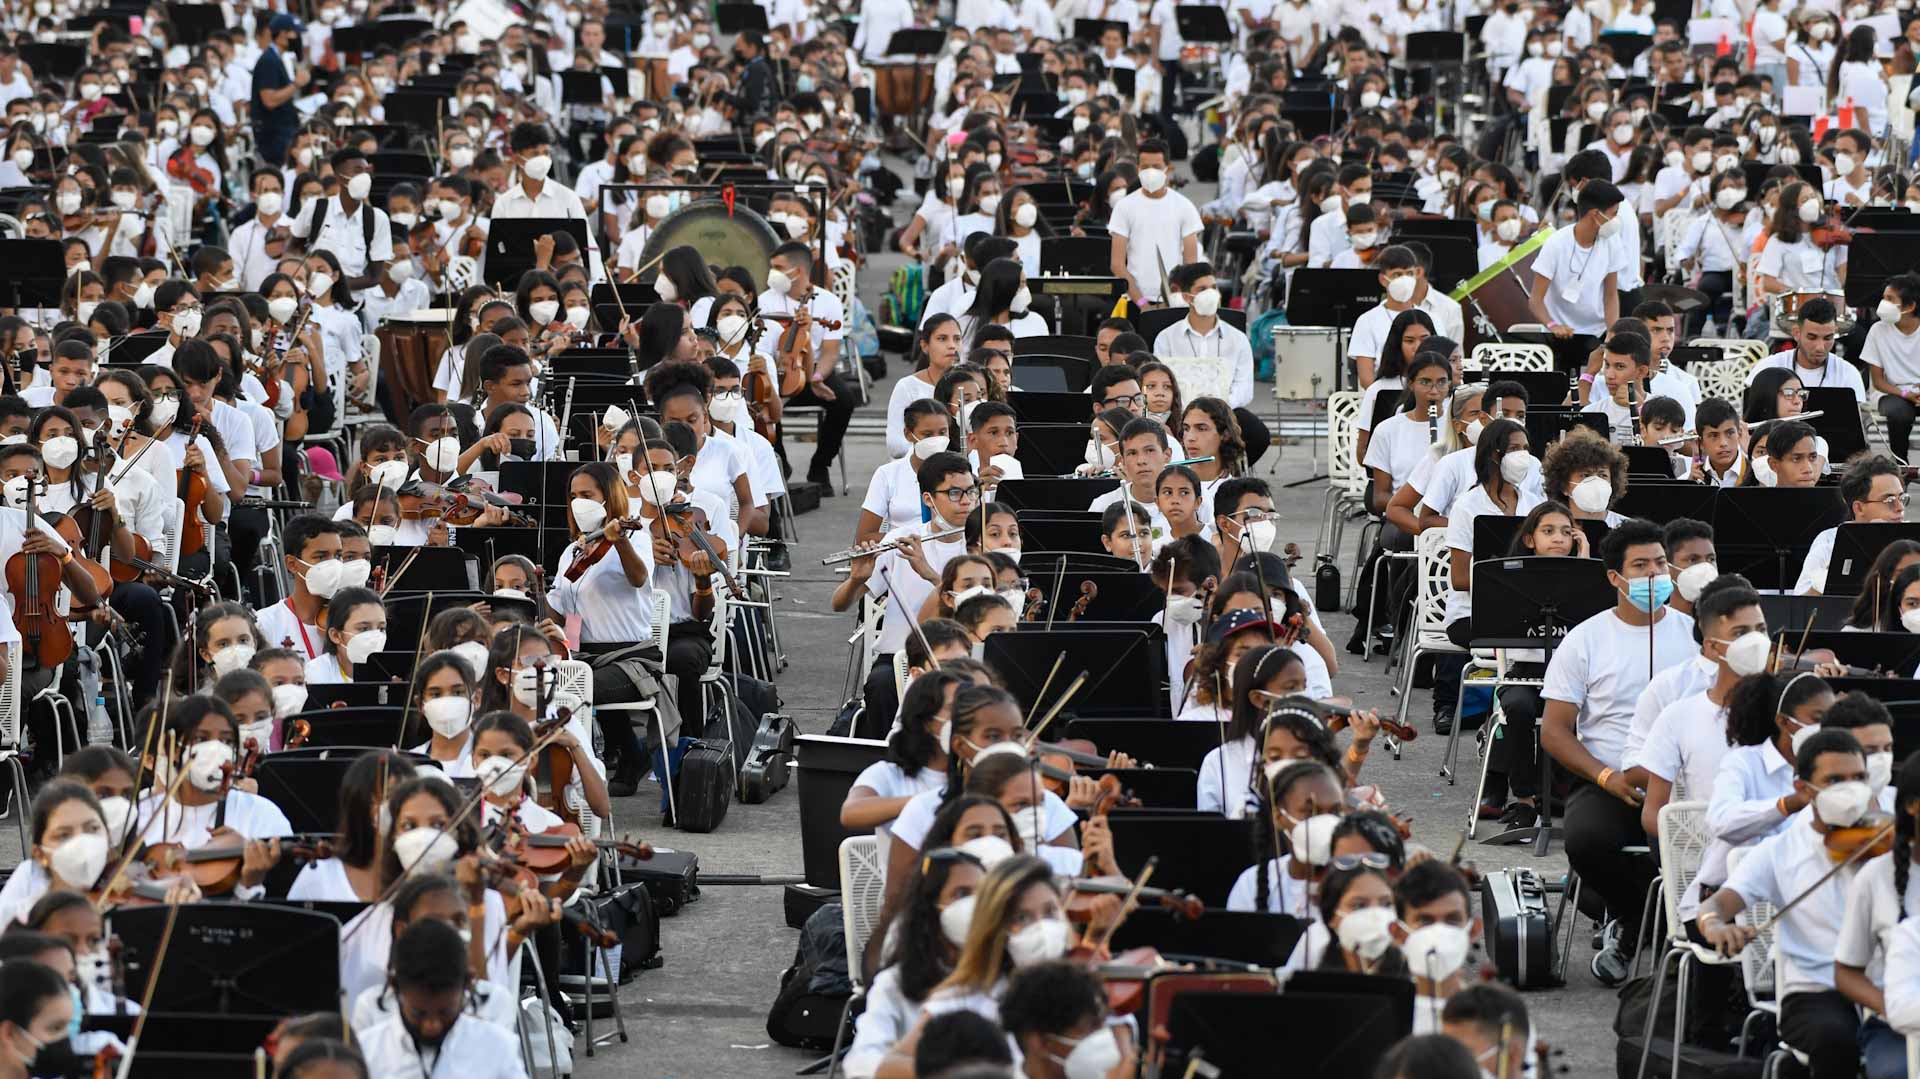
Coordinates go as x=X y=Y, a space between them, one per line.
x=893 y=493
x=904 y=590
x=916 y=817
x=1801 y=266
x=1156 y=230
x=909 y=389
x=1897 y=355
x=1468 y=508
x=1576 y=279
x=1685 y=747
x=1601 y=667
x=1873 y=909
x=1398 y=445
x=1786 y=866
x=1285 y=895
x=1769 y=36
x=1440 y=483
x=887 y=780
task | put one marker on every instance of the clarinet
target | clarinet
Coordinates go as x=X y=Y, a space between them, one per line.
x=1433 y=424
x=1633 y=408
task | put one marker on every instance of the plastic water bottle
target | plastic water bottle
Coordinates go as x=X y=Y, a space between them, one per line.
x=99 y=727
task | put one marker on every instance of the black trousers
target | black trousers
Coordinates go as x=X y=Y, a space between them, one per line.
x=881 y=698
x=689 y=652
x=1598 y=826
x=248 y=527
x=1718 y=286
x=141 y=606
x=1899 y=413
x=833 y=423
x=1824 y=1026
x=1253 y=432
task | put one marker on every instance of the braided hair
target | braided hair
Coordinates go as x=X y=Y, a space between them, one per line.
x=1906 y=785
x=1758 y=699
x=1266 y=840
x=968 y=703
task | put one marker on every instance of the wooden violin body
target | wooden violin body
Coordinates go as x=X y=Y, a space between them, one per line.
x=192 y=493
x=34 y=581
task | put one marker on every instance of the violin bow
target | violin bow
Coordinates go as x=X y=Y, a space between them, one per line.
x=1038 y=697
x=1066 y=695
x=1059 y=580
x=1858 y=853
x=419 y=649
x=1127 y=903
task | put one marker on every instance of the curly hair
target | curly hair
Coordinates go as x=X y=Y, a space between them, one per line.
x=679 y=376
x=1582 y=451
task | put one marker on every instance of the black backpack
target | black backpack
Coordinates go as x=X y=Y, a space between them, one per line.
x=811 y=1006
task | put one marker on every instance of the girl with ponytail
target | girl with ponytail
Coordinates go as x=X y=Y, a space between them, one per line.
x=1879 y=902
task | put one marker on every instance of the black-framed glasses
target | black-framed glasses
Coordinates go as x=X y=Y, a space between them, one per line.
x=1139 y=399
x=958 y=494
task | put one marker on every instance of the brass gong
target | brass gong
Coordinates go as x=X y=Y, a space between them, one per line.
x=743 y=239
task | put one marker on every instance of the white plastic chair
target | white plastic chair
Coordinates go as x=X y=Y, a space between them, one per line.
x=1346 y=480
x=10 y=709
x=1498 y=356
x=900 y=673
x=370 y=352
x=1428 y=634
x=863 y=888
x=1684 y=839
x=661 y=614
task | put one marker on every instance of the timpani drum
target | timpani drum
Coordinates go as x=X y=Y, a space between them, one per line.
x=902 y=89
x=1306 y=362
x=410 y=349
x=1783 y=311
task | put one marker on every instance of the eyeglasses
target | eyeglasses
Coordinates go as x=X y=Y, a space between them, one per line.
x=1127 y=399
x=1892 y=501
x=1432 y=383
x=1372 y=860
x=1794 y=395
x=958 y=494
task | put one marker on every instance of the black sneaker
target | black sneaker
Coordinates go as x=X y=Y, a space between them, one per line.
x=824 y=479
x=1520 y=815
x=1443 y=721
x=1611 y=965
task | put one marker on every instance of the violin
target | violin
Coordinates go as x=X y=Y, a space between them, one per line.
x=1126 y=974
x=1030 y=609
x=98 y=526
x=546 y=852
x=796 y=346
x=1870 y=838
x=184 y=167
x=216 y=867
x=518 y=886
x=553 y=773
x=423 y=501
x=1088 y=593
x=757 y=385
x=594 y=548
x=1342 y=718
x=1829 y=232
x=34 y=580
x=686 y=528
x=192 y=492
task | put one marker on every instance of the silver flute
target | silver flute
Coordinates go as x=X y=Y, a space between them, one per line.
x=851 y=553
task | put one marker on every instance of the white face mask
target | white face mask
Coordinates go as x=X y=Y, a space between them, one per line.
x=231 y=658
x=448 y=716
x=118 y=812
x=1694 y=578
x=1800 y=735
x=929 y=446
x=664 y=287
x=1099 y=455
x=281 y=309
x=502 y=777
x=1364 y=932
x=957 y=917
x=657 y=488
x=1809 y=211
x=259 y=733
x=1729 y=197
x=1887 y=311
x=205 y=764
x=1517 y=466
x=1152 y=180
x=425 y=850
x=1611 y=227
x=475 y=653
x=1592 y=495
x=1622 y=134
x=81 y=858
x=1844 y=803
x=364 y=644
x=1400 y=289
x=536 y=168
x=543 y=311
x=61 y=452
x=288 y=699
x=1094 y=1056
x=1185 y=610
x=1022 y=300
x=319 y=284
x=1038 y=942
x=460 y=156
x=726 y=407
x=991 y=850
x=1025 y=215
x=588 y=515
x=1747 y=653
x=988 y=204
x=443 y=454
x=1910 y=619
x=68 y=202
x=778 y=282
x=360 y=186
x=1312 y=839
x=389 y=475
x=1789 y=155
x=1206 y=302
x=1436 y=951
x=526 y=686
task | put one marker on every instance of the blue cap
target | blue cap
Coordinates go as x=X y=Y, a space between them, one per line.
x=286 y=21
x=1239 y=620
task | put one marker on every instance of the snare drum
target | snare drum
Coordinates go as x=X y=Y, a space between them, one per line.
x=1305 y=362
x=902 y=89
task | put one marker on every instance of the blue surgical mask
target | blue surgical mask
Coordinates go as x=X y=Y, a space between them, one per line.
x=803 y=83
x=1646 y=593
x=79 y=1009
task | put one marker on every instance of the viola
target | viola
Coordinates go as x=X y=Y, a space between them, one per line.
x=34 y=580
x=553 y=772
x=594 y=548
x=192 y=492
x=1088 y=593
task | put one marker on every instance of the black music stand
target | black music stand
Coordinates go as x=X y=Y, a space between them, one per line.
x=1198 y=853
x=1036 y=406
x=1053 y=449
x=1533 y=602
x=1054 y=375
x=1332 y=298
x=1241 y=936
x=422 y=569
x=1797 y=612
x=1076 y=256
x=305 y=783
x=1855 y=546
x=1124 y=596
x=1242 y=1034
x=233 y=959
x=328 y=698
x=1895 y=654
x=1546 y=423
x=31 y=273
x=1546 y=389
x=1126 y=669
x=509 y=250
x=1059 y=530
x=1153 y=320
x=406 y=613
x=1066 y=495
x=1838 y=421
x=1648 y=462
x=1157 y=788
x=1777 y=523
x=1493 y=534
x=494 y=543
x=1164 y=743
x=363 y=725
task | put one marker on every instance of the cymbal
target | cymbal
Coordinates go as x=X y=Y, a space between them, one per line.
x=1679 y=297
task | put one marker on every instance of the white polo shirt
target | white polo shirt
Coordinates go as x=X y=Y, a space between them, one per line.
x=1223 y=342
x=346 y=235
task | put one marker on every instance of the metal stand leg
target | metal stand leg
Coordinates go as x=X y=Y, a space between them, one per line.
x=546 y=1006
